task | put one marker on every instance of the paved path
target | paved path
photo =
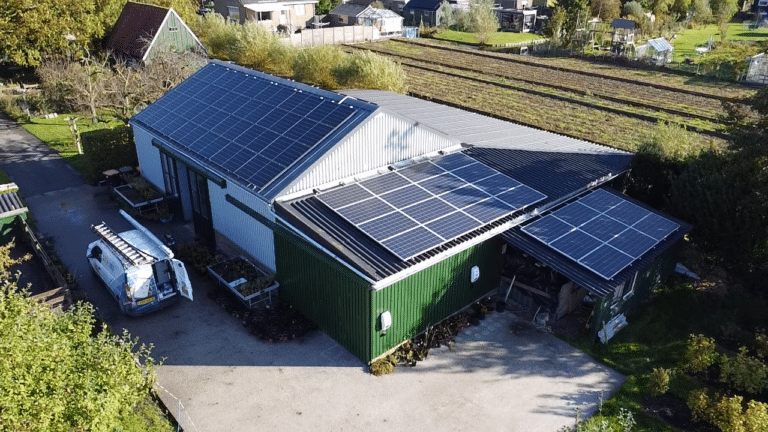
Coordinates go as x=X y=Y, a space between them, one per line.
x=492 y=380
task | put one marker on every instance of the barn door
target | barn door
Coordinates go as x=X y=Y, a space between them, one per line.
x=201 y=207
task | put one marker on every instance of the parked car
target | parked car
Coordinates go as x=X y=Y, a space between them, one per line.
x=137 y=268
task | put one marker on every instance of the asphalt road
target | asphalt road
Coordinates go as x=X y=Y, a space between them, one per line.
x=217 y=377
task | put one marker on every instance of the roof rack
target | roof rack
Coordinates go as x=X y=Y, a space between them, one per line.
x=131 y=253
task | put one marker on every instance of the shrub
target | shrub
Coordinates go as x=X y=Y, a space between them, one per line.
x=727 y=413
x=756 y=417
x=314 y=65
x=700 y=353
x=761 y=345
x=367 y=70
x=744 y=372
x=382 y=366
x=659 y=381
x=106 y=149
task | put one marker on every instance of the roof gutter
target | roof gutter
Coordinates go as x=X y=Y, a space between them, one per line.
x=383 y=283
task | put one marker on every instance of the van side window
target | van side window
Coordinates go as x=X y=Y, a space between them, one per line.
x=96 y=253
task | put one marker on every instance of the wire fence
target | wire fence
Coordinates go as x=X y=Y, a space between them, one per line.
x=183 y=419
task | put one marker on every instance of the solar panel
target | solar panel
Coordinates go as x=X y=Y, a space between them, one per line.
x=426 y=202
x=602 y=232
x=274 y=121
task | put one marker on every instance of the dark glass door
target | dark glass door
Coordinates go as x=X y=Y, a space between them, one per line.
x=201 y=207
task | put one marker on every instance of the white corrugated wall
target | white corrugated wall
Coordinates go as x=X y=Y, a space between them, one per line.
x=383 y=140
x=149 y=157
x=240 y=228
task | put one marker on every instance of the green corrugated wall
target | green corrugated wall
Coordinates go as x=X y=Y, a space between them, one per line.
x=326 y=292
x=428 y=297
x=180 y=40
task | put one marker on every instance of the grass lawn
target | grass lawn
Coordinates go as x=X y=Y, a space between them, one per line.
x=657 y=336
x=498 y=38
x=688 y=40
x=56 y=134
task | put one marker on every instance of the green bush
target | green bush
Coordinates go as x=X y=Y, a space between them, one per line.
x=756 y=417
x=659 y=381
x=761 y=345
x=106 y=149
x=367 y=70
x=728 y=414
x=744 y=372
x=383 y=366
x=314 y=65
x=700 y=354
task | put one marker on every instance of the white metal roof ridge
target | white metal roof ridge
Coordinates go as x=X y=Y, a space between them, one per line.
x=477 y=129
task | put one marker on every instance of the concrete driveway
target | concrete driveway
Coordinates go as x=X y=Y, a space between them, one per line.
x=217 y=377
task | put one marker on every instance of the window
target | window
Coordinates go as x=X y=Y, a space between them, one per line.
x=233 y=12
x=264 y=16
x=170 y=175
x=173 y=29
x=96 y=253
x=299 y=8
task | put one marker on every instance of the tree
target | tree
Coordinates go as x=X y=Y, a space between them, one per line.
x=447 y=15
x=56 y=376
x=702 y=12
x=606 y=9
x=482 y=19
x=576 y=14
x=554 y=27
x=723 y=11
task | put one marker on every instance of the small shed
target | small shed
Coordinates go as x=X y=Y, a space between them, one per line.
x=144 y=30
x=656 y=51
x=11 y=207
x=388 y=22
x=518 y=20
x=758 y=69
x=422 y=12
x=623 y=32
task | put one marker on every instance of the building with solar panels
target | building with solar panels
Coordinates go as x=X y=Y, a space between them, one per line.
x=382 y=214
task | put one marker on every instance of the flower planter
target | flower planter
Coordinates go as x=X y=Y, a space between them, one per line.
x=246 y=281
x=136 y=200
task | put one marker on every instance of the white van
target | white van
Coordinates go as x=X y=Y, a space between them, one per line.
x=137 y=268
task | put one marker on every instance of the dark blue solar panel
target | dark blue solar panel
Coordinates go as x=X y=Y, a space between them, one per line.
x=344 y=196
x=453 y=161
x=201 y=142
x=606 y=261
x=233 y=103
x=452 y=226
x=627 y=213
x=305 y=103
x=464 y=196
x=474 y=172
x=406 y=196
x=338 y=115
x=224 y=154
x=521 y=196
x=576 y=214
x=419 y=172
x=633 y=243
x=428 y=210
x=411 y=243
x=656 y=226
x=576 y=244
x=441 y=184
x=235 y=129
x=547 y=229
x=365 y=210
x=384 y=183
x=603 y=227
x=488 y=210
x=240 y=159
x=497 y=184
x=388 y=225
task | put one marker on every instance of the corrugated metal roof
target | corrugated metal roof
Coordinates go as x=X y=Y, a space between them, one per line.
x=256 y=129
x=348 y=9
x=581 y=275
x=10 y=202
x=555 y=174
x=431 y=5
x=476 y=129
x=660 y=44
x=623 y=24
x=137 y=26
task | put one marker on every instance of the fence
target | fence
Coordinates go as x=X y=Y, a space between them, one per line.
x=58 y=299
x=335 y=35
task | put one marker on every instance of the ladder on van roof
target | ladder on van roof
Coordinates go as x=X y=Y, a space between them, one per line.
x=131 y=253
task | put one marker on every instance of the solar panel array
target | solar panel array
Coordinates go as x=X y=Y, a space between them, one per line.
x=417 y=208
x=247 y=125
x=602 y=232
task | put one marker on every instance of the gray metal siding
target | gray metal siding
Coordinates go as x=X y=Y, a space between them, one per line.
x=383 y=140
x=240 y=228
x=149 y=157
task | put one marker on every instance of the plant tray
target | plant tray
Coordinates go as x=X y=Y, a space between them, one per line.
x=246 y=281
